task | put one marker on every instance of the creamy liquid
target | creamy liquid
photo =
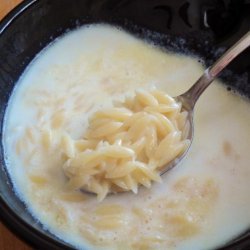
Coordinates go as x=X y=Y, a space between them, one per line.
x=201 y=204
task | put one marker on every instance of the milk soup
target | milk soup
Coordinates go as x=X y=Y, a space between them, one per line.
x=201 y=204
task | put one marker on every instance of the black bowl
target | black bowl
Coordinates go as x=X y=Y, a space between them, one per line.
x=206 y=28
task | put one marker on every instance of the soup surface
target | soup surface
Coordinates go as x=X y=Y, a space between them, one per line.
x=200 y=204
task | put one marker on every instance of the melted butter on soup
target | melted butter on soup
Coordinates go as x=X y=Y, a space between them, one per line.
x=197 y=203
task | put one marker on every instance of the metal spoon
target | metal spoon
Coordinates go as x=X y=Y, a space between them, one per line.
x=190 y=97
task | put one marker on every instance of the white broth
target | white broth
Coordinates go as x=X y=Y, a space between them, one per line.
x=201 y=204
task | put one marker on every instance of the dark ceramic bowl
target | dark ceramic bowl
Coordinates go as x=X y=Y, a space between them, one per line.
x=206 y=27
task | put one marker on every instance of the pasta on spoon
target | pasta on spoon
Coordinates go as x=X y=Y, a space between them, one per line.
x=127 y=145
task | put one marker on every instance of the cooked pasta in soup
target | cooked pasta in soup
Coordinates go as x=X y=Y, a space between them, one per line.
x=59 y=118
x=127 y=145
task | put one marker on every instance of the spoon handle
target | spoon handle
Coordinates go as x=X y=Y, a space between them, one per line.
x=192 y=95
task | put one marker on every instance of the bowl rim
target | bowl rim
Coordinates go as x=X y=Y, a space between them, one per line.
x=8 y=217
x=14 y=13
x=19 y=226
